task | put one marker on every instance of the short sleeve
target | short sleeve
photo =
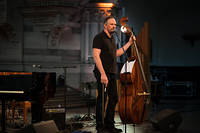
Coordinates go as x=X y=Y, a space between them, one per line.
x=97 y=42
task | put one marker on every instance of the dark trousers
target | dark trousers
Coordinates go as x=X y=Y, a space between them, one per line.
x=111 y=92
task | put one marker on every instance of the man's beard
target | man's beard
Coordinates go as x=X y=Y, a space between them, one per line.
x=112 y=31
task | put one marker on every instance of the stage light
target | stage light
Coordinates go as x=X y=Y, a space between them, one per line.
x=105 y=5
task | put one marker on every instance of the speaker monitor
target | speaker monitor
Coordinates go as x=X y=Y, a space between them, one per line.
x=167 y=121
x=42 y=127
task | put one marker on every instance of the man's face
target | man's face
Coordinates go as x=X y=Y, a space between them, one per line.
x=110 y=26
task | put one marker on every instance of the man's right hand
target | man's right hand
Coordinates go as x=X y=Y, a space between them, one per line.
x=104 y=79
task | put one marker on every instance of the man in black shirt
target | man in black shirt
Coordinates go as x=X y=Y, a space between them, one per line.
x=105 y=53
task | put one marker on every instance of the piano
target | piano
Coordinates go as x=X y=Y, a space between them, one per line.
x=26 y=86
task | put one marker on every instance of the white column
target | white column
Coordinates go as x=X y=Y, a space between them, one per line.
x=93 y=32
x=82 y=47
x=86 y=41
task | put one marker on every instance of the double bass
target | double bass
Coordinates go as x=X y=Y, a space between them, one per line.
x=134 y=86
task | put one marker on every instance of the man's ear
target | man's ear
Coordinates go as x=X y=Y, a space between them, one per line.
x=104 y=26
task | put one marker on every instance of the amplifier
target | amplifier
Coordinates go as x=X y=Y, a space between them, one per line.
x=179 y=88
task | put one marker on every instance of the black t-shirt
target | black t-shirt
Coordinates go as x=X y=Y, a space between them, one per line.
x=108 y=51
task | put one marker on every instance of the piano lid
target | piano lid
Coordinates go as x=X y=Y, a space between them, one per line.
x=27 y=85
x=15 y=73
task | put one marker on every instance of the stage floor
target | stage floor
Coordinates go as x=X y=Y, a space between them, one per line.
x=190 y=122
x=190 y=113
